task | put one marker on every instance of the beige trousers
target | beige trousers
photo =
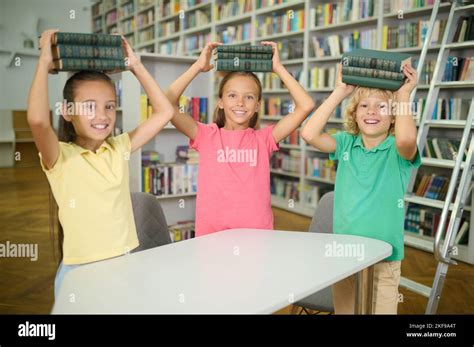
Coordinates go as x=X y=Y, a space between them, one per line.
x=385 y=294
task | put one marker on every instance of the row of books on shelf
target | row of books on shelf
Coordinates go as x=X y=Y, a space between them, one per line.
x=168 y=28
x=146 y=35
x=183 y=230
x=450 y=109
x=111 y=17
x=171 y=47
x=292 y=139
x=145 y=18
x=268 y=3
x=228 y=9
x=459 y=69
x=196 y=42
x=187 y=155
x=464 y=29
x=425 y=222
x=341 y=12
x=335 y=45
x=126 y=9
x=404 y=5
x=169 y=178
x=284 y=188
x=276 y=106
x=271 y=81
x=172 y=7
x=235 y=33
x=432 y=186
x=321 y=77
x=442 y=148
x=196 y=19
x=288 y=161
x=196 y=107
x=320 y=167
x=411 y=34
x=128 y=25
x=280 y=23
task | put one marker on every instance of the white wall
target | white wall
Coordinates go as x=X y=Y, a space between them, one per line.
x=34 y=16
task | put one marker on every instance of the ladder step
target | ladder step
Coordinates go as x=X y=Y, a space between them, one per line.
x=415 y=287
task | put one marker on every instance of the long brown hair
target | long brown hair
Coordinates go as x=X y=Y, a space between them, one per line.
x=219 y=115
x=66 y=133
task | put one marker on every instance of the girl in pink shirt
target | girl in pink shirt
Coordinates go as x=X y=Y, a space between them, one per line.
x=234 y=168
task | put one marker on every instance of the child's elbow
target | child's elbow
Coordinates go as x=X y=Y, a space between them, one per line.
x=405 y=143
x=306 y=134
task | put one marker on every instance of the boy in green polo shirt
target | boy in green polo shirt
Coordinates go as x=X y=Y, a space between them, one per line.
x=375 y=156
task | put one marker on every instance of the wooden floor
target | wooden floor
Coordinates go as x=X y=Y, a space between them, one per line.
x=27 y=286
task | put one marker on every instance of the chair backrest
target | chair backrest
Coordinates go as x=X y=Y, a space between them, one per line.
x=152 y=229
x=322 y=218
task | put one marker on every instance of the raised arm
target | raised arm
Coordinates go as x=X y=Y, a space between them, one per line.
x=405 y=127
x=304 y=104
x=38 y=114
x=162 y=110
x=313 y=130
x=181 y=120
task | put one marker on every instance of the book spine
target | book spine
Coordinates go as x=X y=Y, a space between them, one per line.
x=372 y=82
x=372 y=73
x=244 y=65
x=244 y=55
x=87 y=39
x=245 y=49
x=80 y=51
x=73 y=64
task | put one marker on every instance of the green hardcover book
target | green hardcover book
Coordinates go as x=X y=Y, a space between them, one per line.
x=79 y=51
x=253 y=65
x=245 y=49
x=87 y=39
x=241 y=55
x=75 y=64
x=374 y=69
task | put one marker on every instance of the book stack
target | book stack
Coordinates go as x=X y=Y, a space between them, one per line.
x=257 y=58
x=182 y=231
x=432 y=187
x=196 y=107
x=77 y=51
x=442 y=148
x=374 y=69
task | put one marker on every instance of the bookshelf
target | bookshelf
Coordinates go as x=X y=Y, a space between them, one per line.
x=241 y=22
x=177 y=207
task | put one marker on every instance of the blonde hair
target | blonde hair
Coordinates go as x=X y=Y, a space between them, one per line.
x=219 y=114
x=360 y=93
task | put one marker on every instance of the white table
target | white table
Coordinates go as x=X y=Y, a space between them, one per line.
x=232 y=271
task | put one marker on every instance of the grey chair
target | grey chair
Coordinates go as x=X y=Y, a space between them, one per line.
x=152 y=229
x=321 y=223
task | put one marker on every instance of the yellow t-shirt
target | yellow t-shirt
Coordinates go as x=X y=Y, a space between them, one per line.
x=93 y=195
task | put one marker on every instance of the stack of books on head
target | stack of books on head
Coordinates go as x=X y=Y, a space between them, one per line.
x=257 y=58
x=196 y=107
x=182 y=231
x=374 y=69
x=97 y=52
x=432 y=187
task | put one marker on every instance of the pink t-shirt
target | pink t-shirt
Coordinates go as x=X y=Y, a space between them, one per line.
x=233 y=179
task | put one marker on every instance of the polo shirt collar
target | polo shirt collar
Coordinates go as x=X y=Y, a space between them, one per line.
x=105 y=145
x=382 y=146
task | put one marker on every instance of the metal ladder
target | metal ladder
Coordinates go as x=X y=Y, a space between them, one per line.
x=443 y=252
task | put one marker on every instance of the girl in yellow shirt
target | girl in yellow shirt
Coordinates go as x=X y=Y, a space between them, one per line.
x=87 y=167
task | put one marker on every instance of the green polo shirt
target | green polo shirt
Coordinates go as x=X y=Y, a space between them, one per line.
x=370 y=189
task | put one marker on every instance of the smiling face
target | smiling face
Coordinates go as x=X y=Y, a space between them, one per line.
x=94 y=113
x=373 y=117
x=240 y=100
